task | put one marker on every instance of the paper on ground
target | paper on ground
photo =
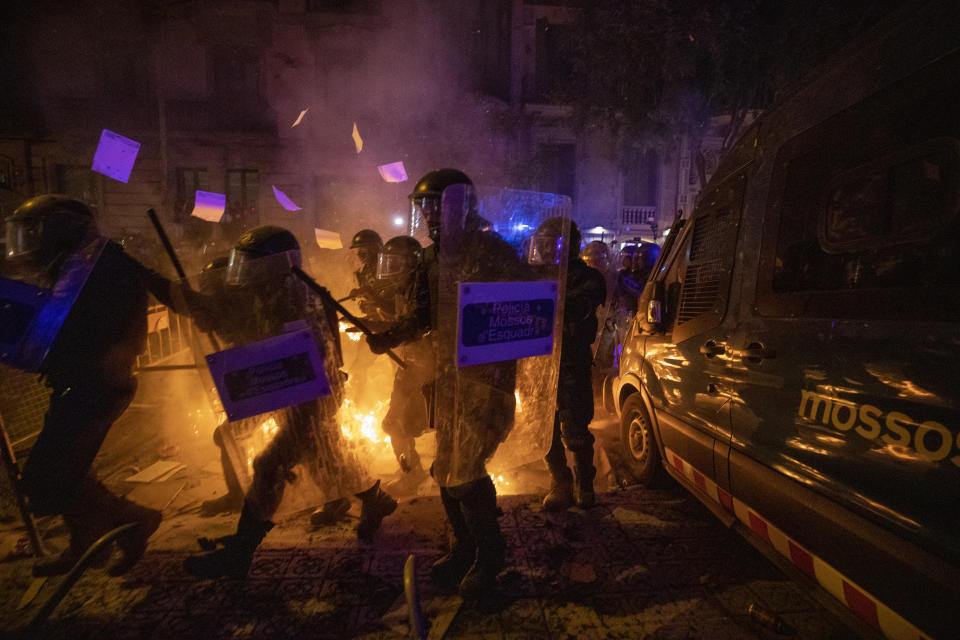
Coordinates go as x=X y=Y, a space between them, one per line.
x=209 y=206
x=300 y=117
x=328 y=239
x=393 y=172
x=115 y=155
x=357 y=140
x=154 y=471
x=31 y=592
x=284 y=200
x=170 y=473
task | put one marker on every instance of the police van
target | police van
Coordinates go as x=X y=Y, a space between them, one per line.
x=795 y=361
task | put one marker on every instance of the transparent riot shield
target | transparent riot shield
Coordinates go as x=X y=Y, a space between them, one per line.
x=273 y=366
x=33 y=310
x=498 y=330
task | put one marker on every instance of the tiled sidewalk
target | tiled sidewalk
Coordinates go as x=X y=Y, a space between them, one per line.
x=643 y=564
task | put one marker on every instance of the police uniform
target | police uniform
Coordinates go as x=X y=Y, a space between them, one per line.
x=585 y=292
x=483 y=396
x=307 y=433
x=89 y=372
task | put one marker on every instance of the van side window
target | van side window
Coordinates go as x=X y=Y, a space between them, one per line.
x=706 y=280
x=868 y=209
x=874 y=225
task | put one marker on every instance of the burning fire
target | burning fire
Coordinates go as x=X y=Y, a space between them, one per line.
x=353 y=335
x=358 y=424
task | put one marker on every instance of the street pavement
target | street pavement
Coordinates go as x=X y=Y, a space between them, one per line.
x=643 y=564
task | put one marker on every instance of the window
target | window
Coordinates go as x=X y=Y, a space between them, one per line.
x=188 y=182
x=553 y=58
x=863 y=222
x=490 y=40
x=706 y=279
x=243 y=189
x=641 y=178
x=558 y=169
x=236 y=80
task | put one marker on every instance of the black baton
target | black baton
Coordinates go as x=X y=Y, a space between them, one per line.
x=323 y=293
x=176 y=263
x=166 y=243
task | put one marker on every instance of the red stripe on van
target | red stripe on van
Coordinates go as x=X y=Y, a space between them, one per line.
x=678 y=462
x=700 y=480
x=759 y=526
x=725 y=499
x=861 y=604
x=801 y=559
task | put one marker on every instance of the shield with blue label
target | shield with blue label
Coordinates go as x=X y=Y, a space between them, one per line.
x=497 y=332
x=271 y=352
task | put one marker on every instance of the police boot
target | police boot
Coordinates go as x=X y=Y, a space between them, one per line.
x=84 y=531
x=232 y=500
x=448 y=571
x=480 y=512
x=331 y=512
x=134 y=544
x=233 y=560
x=585 y=472
x=375 y=505
x=560 y=496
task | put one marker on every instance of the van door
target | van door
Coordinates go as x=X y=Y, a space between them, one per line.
x=848 y=384
x=689 y=362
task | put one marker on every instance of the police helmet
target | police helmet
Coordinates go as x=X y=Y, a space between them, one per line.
x=425 y=199
x=548 y=241
x=597 y=255
x=44 y=227
x=263 y=253
x=366 y=237
x=398 y=257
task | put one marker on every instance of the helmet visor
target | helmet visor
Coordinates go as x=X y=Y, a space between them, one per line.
x=247 y=269
x=24 y=237
x=391 y=266
x=545 y=248
x=425 y=209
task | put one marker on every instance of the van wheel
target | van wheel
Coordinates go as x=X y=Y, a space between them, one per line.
x=638 y=441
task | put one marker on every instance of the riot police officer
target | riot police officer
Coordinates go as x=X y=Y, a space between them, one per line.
x=260 y=280
x=407 y=417
x=366 y=245
x=485 y=395
x=89 y=372
x=585 y=292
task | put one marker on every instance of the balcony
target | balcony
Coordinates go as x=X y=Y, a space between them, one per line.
x=637 y=215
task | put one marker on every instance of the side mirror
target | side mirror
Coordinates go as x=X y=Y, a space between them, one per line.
x=654 y=312
x=655 y=304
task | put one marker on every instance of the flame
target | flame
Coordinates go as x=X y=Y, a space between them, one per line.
x=499 y=483
x=359 y=423
x=516 y=394
x=269 y=427
x=353 y=335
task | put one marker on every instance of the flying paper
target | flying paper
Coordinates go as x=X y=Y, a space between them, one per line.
x=300 y=117
x=328 y=239
x=357 y=140
x=284 y=201
x=209 y=206
x=393 y=172
x=115 y=156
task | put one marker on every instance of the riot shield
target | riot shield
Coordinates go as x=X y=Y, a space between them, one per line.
x=498 y=330
x=33 y=310
x=273 y=367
